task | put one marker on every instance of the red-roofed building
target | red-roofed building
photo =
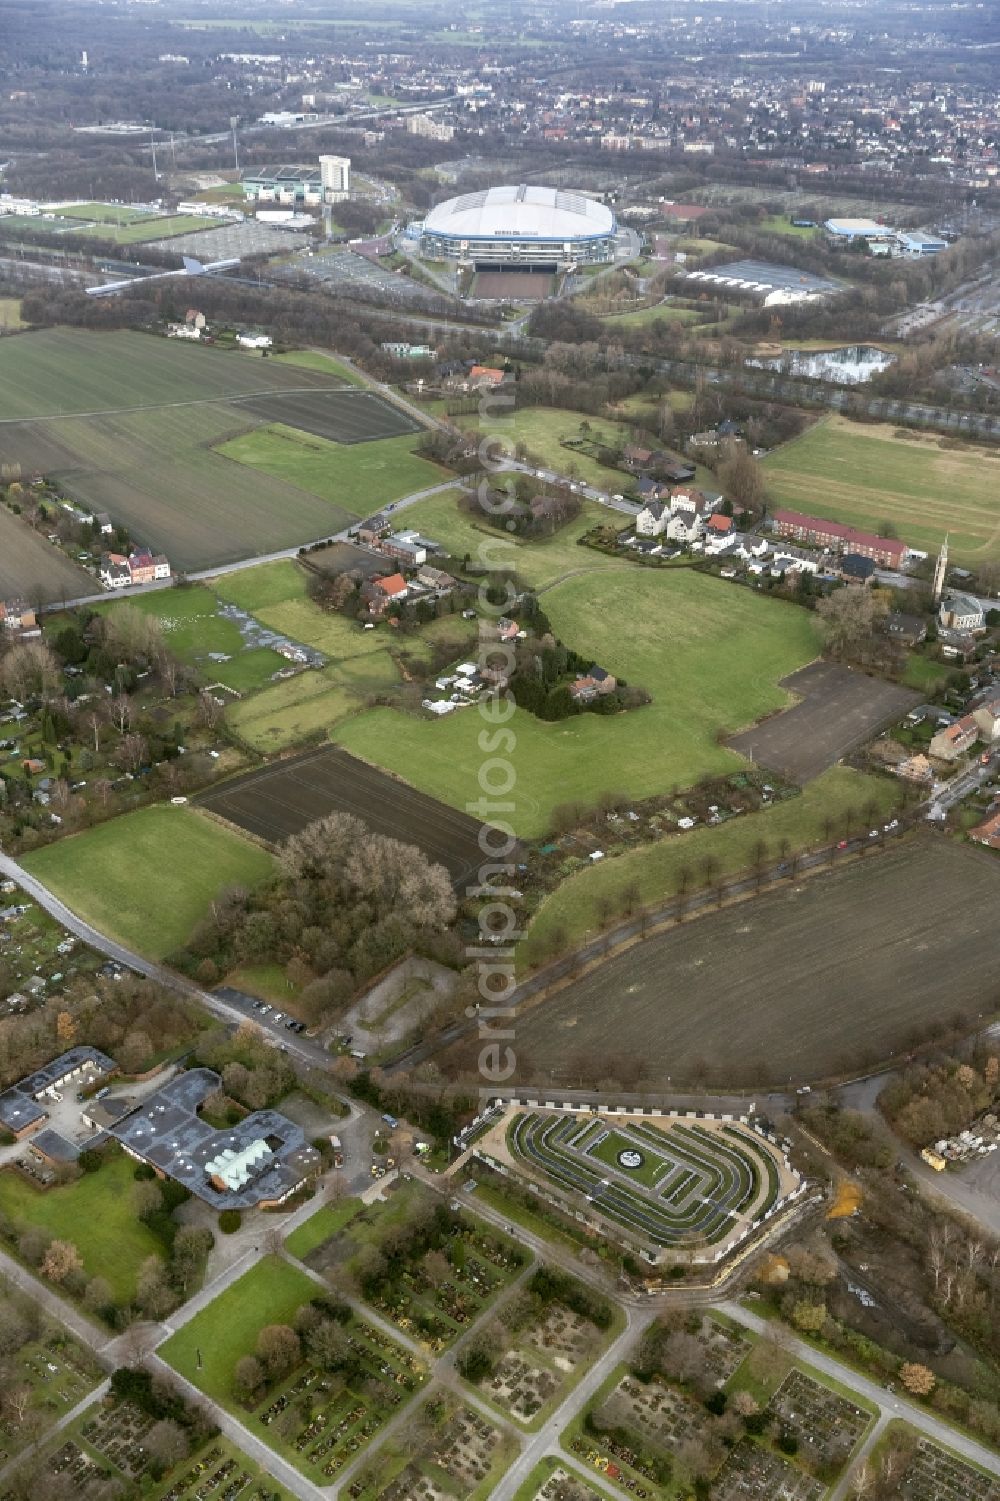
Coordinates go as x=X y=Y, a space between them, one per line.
x=886 y=551
x=720 y=524
x=485 y=375
x=988 y=832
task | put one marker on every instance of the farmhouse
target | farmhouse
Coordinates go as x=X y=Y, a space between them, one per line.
x=22 y=1108
x=370 y=530
x=886 y=551
x=386 y=591
x=595 y=684
x=404 y=550
x=260 y=1162
x=955 y=739
x=961 y=612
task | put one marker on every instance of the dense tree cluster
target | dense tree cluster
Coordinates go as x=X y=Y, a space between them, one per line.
x=345 y=904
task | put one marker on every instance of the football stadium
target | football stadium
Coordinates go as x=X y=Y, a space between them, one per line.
x=537 y=228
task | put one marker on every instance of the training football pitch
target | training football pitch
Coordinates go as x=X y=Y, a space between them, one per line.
x=866 y=476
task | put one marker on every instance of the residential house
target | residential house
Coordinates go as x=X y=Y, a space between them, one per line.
x=791 y=560
x=988 y=832
x=909 y=630
x=652 y=520
x=957 y=646
x=689 y=513
x=818 y=532
x=435 y=578
x=637 y=458
x=386 y=591
x=597 y=683
x=373 y=528
x=485 y=378
x=114 y=571
x=961 y=612
x=103 y=523
x=17 y=615
x=856 y=569
x=955 y=739
x=161 y=566
x=987 y=717
x=140 y=566
x=720 y=526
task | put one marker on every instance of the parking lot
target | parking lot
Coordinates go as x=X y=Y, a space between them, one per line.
x=339 y=267
x=223 y=242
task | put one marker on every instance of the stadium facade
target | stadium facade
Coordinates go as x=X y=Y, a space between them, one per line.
x=529 y=226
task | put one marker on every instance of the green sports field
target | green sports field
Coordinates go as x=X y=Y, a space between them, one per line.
x=95 y=1213
x=357 y=477
x=148 y=877
x=710 y=656
x=865 y=476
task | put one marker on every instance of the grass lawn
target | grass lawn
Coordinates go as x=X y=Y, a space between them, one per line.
x=319 y=1227
x=923 y=673
x=654 y=868
x=267 y=584
x=538 y=563
x=147 y=878
x=314 y=359
x=227 y=1328
x=95 y=1213
x=780 y=224
x=357 y=477
x=863 y=475
x=662 y=631
x=10 y=313
x=642 y=317
x=267 y=981
x=193 y=627
x=539 y=430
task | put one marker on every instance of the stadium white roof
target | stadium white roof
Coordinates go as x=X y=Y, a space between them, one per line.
x=529 y=211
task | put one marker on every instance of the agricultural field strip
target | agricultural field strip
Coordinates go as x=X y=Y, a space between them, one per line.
x=733 y=1181
x=231 y=399
x=280 y=800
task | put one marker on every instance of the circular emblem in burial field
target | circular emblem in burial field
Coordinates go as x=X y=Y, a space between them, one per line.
x=630 y=1158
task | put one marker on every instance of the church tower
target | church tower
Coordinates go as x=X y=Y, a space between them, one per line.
x=940 y=572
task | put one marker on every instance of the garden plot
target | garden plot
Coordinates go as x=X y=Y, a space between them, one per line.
x=439 y=1278
x=826 y=1425
x=217 y=1472
x=520 y=1386
x=562 y=1486
x=325 y=1423
x=117 y=1432
x=667 y=1416
x=458 y=1459
x=44 y=1379
x=935 y=1475
x=515 y=1367
x=755 y=1474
